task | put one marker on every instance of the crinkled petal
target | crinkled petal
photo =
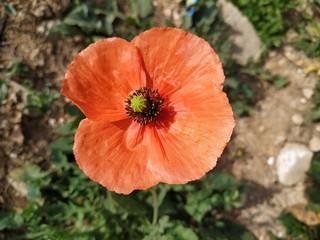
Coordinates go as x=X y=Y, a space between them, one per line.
x=116 y=155
x=100 y=78
x=175 y=58
x=189 y=146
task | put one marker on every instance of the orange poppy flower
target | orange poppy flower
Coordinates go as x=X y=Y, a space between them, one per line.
x=155 y=109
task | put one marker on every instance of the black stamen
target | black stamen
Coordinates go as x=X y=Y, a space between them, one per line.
x=153 y=109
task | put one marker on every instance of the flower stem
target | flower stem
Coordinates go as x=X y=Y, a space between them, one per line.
x=155 y=207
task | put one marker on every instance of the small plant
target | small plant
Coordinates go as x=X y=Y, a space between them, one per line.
x=277 y=81
x=60 y=207
x=39 y=103
x=308 y=38
x=18 y=68
x=315 y=111
x=94 y=21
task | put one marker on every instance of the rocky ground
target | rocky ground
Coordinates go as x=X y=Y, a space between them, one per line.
x=260 y=142
x=273 y=147
x=278 y=135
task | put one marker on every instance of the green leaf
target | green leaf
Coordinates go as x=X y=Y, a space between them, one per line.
x=67 y=129
x=33 y=177
x=129 y=204
x=141 y=8
x=17 y=68
x=221 y=181
x=10 y=9
x=82 y=17
x=40 y=102
x=278 y=82
x=187 y=22
x=59 y=159
x=198 y=204
x=315 y=168
x=315 y=114
x=10 y=221
x=295 y=228
x=182 y=233
x=74 y=111
x=64 y=144
x=64 y=30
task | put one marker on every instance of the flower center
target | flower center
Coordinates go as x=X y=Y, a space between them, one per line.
x=144 y=105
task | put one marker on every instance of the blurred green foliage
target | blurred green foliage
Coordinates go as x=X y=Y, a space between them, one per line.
x=308 y=38
x=297 y=229
x=38 y=102
x=315 y=111
x=268 y=18
x=18 y=68
x=65 y=204
x=94 y=21
x=314 y=173
x=8 y=8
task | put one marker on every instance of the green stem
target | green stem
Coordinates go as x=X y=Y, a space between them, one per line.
x=155 y=207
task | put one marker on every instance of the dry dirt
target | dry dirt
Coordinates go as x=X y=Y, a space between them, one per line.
x=25 y=138
x=271 y=125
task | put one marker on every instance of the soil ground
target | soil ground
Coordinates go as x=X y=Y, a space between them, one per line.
x=24 y=138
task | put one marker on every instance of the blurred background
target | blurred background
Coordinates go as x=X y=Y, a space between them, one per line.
x=267 y=182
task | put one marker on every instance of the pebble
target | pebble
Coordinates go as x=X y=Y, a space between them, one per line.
x=307 y=93
x=13 y=155
x=297 y=119
x=314 y=144
x=300 y=71
x=303 y=100
x=279 y=140
x=244 y=37
x=52 y=122
x=293 y=162
x=262 y=129
x=271 y=160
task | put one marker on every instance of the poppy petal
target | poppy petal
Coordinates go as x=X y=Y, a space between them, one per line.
x=115 y=154
x=175 y=58
x=189 y=147
x=100 y=78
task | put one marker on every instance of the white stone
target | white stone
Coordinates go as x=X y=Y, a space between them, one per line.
x=271 y=160
x=307 y=93
x=52 y=122
x=13 y=155
x=244 y=37
x=293 y=162
x=303 y=100
x=314 y=144
x=297 y=119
